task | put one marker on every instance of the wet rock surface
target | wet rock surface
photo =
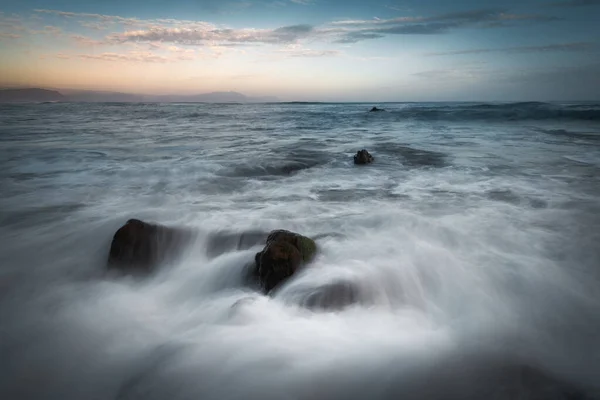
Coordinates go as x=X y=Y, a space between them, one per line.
x=363 y=157
x=285 y=253
x=140 y=247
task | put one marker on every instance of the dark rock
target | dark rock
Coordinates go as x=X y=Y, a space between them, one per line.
x=284 y=253
x=375 y=109
x=363 y=157
x=140 y=247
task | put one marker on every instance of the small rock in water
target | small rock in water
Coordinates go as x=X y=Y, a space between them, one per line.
x=363 y=157
x=140 y=247
x=284 y=253
x=375 y=109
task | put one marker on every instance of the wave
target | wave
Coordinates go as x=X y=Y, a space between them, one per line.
x=288 y=163
x=413 y=157
x=571 y=134
x=504 y=111
x=305 y=102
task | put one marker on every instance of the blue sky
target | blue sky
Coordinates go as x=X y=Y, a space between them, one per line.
x=308 y=49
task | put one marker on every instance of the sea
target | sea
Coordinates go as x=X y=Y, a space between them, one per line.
x=473 y=240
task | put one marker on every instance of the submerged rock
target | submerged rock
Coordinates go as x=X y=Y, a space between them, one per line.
x=363 y=157
x=222 y=242
x=284 y=253
x=332 y=296
x=140 y=246
x=375 y=109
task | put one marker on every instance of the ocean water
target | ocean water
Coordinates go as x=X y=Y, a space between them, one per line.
x=474 y=241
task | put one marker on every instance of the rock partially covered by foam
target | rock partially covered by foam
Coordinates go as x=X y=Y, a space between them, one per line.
x=285 y=253
x=363 y=157
x=139 y=246
x=332 y=296
x=375 y=109
x=224 y=241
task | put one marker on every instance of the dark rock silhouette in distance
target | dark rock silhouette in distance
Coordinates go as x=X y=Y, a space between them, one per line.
x=363 y=157
x=30 y=95
x=140 y=247
x=375 y=109
x=284 y=253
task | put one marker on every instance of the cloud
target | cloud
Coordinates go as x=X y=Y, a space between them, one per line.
x=6 y=35
x=353 y=37
x=444 y=74
x=576 y=3
x=302 y=2
x=48 y=30
x=86 y=41
x=105 y=21
x=179 y=50
x=147 y=57
x=576 y=46
x=203 y=35
x=11 y=23
x=396 y=7
x=224 y=77
x=293 y=51
x=135 y=56
x=94 y=25
x=464 y=17
x=353 y=31
x=200 y=33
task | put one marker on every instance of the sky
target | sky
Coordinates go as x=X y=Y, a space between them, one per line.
x=308 y=50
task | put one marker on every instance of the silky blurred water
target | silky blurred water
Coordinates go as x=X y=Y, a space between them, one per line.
x=473 y=240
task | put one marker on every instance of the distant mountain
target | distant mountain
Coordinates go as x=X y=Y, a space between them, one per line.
x=29 y=95
x=91 y=96
x=214 y=97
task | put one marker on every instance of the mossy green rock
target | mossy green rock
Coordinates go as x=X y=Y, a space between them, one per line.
x=284 y=253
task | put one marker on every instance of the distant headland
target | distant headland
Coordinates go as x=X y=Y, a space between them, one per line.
x=28 y=95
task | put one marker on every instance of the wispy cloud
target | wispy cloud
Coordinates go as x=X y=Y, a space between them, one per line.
x=295 y=51
x=577 y=46
x=209 y=35
x=6 y=35
x=396 y=7
x=465 y=17
x=11 y=23
x=451 y=74
x=105 y=21
x=201 y=33
x=303 y=2
x=86 y=41
x=94 y=25
x=576 y=3
x=136 y=57
x=47 y=30
x=353 y=31
x=353 y=37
